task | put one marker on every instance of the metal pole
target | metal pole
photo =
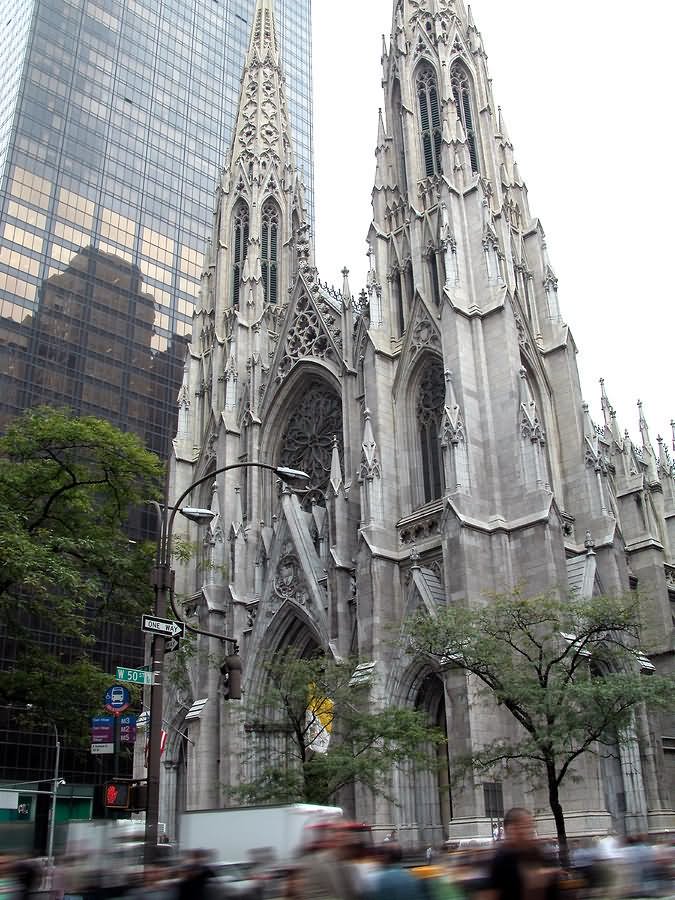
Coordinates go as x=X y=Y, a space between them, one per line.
x=162 y=578
x=52 y=814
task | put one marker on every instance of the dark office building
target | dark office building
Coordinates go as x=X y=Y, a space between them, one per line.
x=115 y=119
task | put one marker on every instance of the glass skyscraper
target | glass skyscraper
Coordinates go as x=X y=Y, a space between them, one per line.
x=115 y=119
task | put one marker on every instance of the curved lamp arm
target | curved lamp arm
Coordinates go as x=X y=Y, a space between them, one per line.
x=164 y=559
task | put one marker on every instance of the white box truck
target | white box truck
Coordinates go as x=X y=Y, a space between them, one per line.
x=243 y=834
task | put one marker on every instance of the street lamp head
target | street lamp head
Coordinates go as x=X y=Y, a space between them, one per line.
x=292 y=477
x=195 y=514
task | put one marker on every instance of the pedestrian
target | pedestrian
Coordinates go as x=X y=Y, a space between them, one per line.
x=391 y=881
x=333 y=873
x=27 y=875
x=519 y=870
x=196 y=877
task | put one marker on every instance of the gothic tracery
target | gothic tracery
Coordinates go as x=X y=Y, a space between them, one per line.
x=307 y=443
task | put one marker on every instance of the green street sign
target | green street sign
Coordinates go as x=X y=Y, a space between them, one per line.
x=135 y=676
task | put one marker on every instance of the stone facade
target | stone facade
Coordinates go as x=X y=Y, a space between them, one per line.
x=440 y=417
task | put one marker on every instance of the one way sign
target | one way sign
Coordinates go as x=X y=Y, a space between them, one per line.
x=163 y=627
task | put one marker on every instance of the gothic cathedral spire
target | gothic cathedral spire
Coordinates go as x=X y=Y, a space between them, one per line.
x=261 y=196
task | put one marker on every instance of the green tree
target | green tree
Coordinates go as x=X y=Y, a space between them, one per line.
x=67 y=565
x=567 y=669
x=310 y=723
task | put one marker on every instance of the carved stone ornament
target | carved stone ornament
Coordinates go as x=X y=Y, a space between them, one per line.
x=595 y=459
x=421 y=530
x=424 y=336
x=530 y=426
x=288 y=581
x=251 y=613
x=436 y=566
x=211 y=446
x=520 y=326
x=307 y=337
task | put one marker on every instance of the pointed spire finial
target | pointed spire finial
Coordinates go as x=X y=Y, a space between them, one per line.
x=346 y=290
x=501 y=126
x=381 y=133
x=261 y=141
x=335 y=468
x=672 y=425
x=238 y=518
x=647 y=449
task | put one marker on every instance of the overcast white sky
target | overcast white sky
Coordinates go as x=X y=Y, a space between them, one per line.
x=586 y=90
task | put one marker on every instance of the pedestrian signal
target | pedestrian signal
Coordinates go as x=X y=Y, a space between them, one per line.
x=117 y=794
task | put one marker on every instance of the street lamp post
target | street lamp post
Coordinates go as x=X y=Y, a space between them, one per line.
x=56 y=782
x=52 y=812
x=163 y=579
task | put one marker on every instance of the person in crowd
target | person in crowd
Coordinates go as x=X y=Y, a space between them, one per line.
x=333 y=872
x=7 y=880
x=519 y=869
x=389 y=881
x=196 y=876
x=28 y=876
x=154 y=886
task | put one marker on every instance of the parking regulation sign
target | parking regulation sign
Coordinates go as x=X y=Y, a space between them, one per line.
x=117 y=699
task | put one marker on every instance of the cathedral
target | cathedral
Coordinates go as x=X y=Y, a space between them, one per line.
x=439 y=416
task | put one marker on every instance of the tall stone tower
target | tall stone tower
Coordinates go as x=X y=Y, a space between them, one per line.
x=439 y=416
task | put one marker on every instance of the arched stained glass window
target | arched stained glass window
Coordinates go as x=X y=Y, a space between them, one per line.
x=430 y=402
x=460 y=83
x=397 y=290
x=430 y=120
x=307 y=442
x=269 y=250
x=240 y=246
x=432 y=262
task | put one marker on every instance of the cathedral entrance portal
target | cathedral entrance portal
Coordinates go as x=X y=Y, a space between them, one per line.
x=431 y=790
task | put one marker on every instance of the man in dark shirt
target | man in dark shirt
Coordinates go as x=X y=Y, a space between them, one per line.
x=519 y=870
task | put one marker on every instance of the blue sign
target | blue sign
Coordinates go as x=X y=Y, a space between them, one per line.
x=117 y=699
x=128 y=729
x=103 y=729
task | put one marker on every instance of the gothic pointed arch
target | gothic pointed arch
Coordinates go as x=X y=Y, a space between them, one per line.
x=270 y=227
x=290 y=631
x=533 y=434
x=425 y=399
x=240 y=232
x=429 y=413
x=397 y=281
x=426 y=795
x=461 y=85
x=429 y=112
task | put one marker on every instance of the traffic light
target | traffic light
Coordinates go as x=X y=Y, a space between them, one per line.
x=231 y=672
x=117 y=794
